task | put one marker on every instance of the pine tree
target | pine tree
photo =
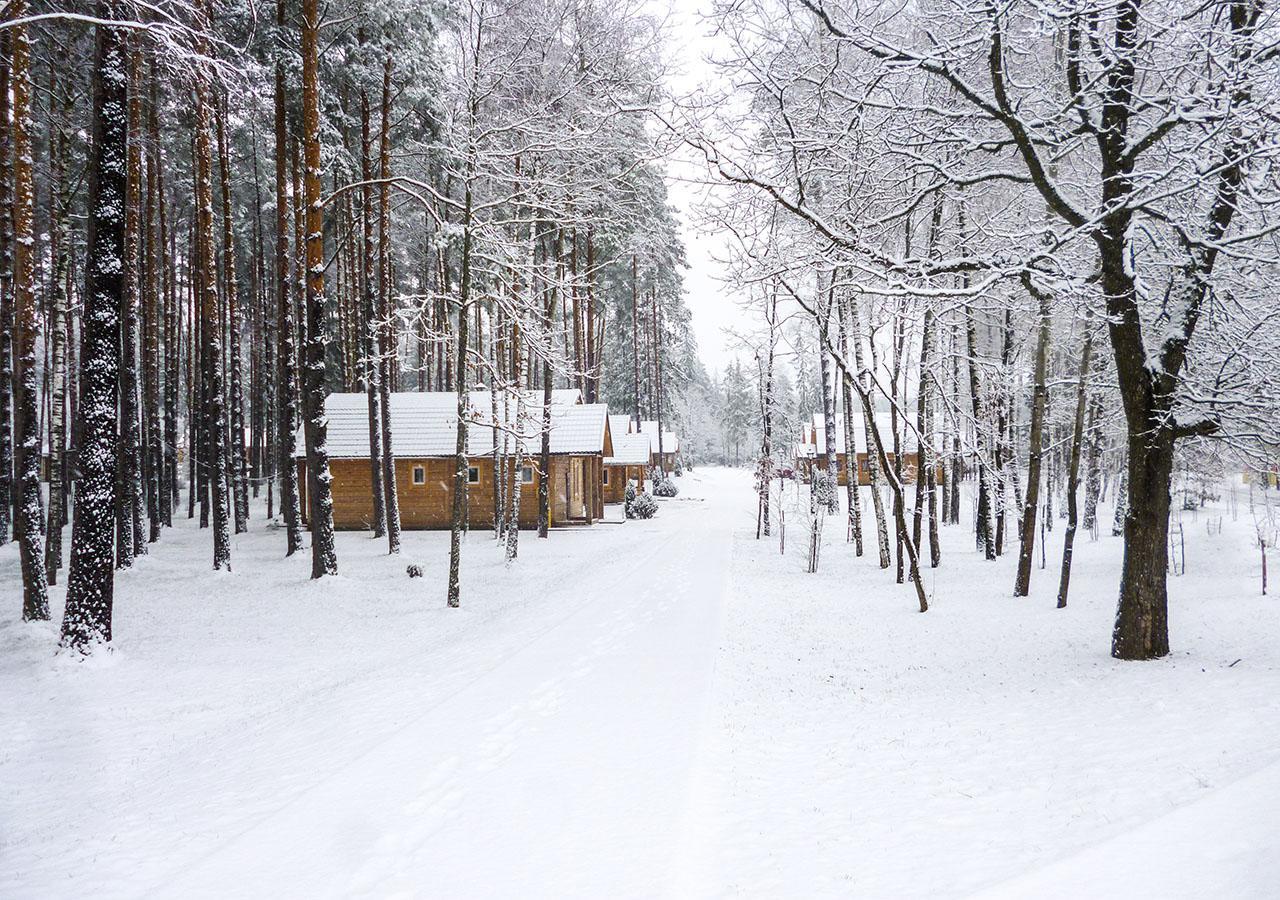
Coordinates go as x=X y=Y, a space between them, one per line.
x=90 y=585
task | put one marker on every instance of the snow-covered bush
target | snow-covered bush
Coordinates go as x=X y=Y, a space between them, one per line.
x=413 y=570
x=664 y=487
x=629 y=498
x=643 y=507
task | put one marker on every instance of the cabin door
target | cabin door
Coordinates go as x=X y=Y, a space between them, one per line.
x=577 y=489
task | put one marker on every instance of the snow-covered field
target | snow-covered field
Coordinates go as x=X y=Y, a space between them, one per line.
x=661 y=708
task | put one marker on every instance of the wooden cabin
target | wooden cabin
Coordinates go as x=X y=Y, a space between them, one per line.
x=813 y=456
x=629 y=461
x=670 y=445
x=424 y=438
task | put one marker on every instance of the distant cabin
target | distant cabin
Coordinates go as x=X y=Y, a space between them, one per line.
x=811 y=453
x=423 y=441
x=670 y=445
x=628 y=462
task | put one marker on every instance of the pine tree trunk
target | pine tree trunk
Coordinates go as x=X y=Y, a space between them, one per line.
x=235 y=364
x=153 y=304
x=215 y=426
x=286 y=354
x=87 y=619
x=30 y=512
x=60 y=210
x=8 y=495
x=130 y=540
x=324 y=560
x=367 y=322
x=388 y=344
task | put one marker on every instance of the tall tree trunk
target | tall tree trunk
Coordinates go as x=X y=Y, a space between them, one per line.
x=544 y=457
x=460 y=466
x=153 y=304
x=868 y=424
x=324 y=560
x=635 y=341
x=130 y=540
x=1022 y=584
x=210 y=331
x=984 y=530
x=87 y=618
x=237 y=461
x=367 y=322
x=8 y=496
x=286 y=330
x=853 y=473
x=387 y=345
x=826 y=299
x=60 y=211
x=1093 y=463
x=30 y=514
x=1073 y=471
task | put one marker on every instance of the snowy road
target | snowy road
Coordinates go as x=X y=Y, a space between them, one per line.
x=571 y=753
x=257 y=734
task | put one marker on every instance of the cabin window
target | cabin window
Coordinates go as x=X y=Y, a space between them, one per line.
x=473 y=475
x=419 y=475
x=526 y=474
x=606 y=476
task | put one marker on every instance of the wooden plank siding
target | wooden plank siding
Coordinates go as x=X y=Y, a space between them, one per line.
x=615 y=491
x=575 y=491
x=819 y=462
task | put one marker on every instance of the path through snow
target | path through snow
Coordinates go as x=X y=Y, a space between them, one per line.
x=661 y=708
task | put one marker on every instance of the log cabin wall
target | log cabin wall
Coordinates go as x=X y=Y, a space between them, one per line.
x=574 y=492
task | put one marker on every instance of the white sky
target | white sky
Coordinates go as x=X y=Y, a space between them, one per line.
x=709 y=299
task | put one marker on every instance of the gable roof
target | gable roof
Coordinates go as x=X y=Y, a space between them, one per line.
x=629 y=450
x=424 y=425
x=819 y=443
x=619 y=425
x=670 y=442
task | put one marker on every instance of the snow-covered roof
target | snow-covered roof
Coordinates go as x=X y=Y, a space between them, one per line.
x=483 y=399
x=619 y=425
x=670 y=443
x=424 y=424
x=628 y=449
x=820 y=435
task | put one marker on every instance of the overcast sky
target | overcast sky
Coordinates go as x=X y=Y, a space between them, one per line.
x=709 y=300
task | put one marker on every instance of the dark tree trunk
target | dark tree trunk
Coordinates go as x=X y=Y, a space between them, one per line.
x=367 y=326
x=324 y=560
x=87 y=619
x=1073 y=471
x=60 y=210
x=286 y=381
x=7 y=494
x=1022 y=583
x=387 y=344
x=460 y=465
x=215 y=426
x=130 y=541
x=237 y=462
x=30 y=512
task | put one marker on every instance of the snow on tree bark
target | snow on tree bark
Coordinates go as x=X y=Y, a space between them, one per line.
x=324 y=559
x=30 y=512
x=90 y=584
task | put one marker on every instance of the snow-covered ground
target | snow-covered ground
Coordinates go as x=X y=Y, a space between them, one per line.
x=661 y=708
